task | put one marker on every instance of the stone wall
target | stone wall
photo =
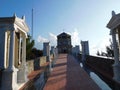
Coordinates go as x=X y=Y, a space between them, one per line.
x=103 y=68
x=39 y=70
x=98 y=63
x=101 y=64
x=30 y=66
x=42 y=60
x=38 y=82
x=36 y=63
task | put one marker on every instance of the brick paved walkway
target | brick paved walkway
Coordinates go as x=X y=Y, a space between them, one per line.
x=68 y=75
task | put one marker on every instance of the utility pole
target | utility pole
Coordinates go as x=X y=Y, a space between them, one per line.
x=32 y=25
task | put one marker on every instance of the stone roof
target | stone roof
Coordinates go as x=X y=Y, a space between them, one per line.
x=114 y=21
x=64 y=34
x=15 y=21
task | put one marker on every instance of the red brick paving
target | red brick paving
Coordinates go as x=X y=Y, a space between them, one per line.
x=68 y=75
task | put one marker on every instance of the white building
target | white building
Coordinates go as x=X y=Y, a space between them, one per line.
x=114 y=26
x=13 y=33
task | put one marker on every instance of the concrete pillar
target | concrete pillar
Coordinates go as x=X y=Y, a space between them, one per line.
x=22 y=73
x=56 y=52
x=24 y=58
x=24 y=51
x=5 y=54
x=46 y=52
x=11 y=52
x=52 y=50
x=85 y=49
x=19 y=50
x=116 y=65
x=46 y=49
x=53 y=53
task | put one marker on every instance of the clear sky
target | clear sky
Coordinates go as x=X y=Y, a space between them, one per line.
x=83 y=19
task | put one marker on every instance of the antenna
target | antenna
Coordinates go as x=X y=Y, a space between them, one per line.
x=32 y=24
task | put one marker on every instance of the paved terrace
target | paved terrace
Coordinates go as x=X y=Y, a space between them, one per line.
x=68 y=75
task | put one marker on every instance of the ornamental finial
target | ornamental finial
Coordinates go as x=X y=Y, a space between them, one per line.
x=113 y=13
x=23 y=17
x=14 y=15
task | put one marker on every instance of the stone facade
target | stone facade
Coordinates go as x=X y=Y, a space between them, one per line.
x=76 y=50
x=13 y=33
x=64 y=43
x=114 y=26
x=85 y=47
x=85 y=50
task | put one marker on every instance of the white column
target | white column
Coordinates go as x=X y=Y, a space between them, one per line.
x=24 y=58
x=46 y=49
x=52 y=49
x=19 y=49
x=24 y=50
x=46 y=52
x=22 y=73
x=49 y=59
x=5 y=54
x=11 y=51
x=116 y=65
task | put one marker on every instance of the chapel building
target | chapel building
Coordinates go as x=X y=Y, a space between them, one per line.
x=64 y=43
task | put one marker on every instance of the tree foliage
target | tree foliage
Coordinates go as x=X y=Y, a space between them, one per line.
x=98 y=53
x=31 y=52
x=109 y=51
x=37 y=53
x=29 y=45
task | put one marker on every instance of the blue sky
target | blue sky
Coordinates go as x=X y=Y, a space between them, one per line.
x=83 y=19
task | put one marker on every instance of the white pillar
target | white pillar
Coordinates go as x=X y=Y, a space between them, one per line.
x=24 y=51
x=11 y=51
x=9 y=78
x=19 y=58
x=22 y=73
x=116 y=65
x=52 y=49
x=46 y=49
x=46 y=52
x=24 y=58
x=56 y=53
x=5 y=54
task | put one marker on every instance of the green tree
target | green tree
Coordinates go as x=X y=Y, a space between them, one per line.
x=109 y=51
x=29 y=46
x=98 y=53
x=37 y=53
